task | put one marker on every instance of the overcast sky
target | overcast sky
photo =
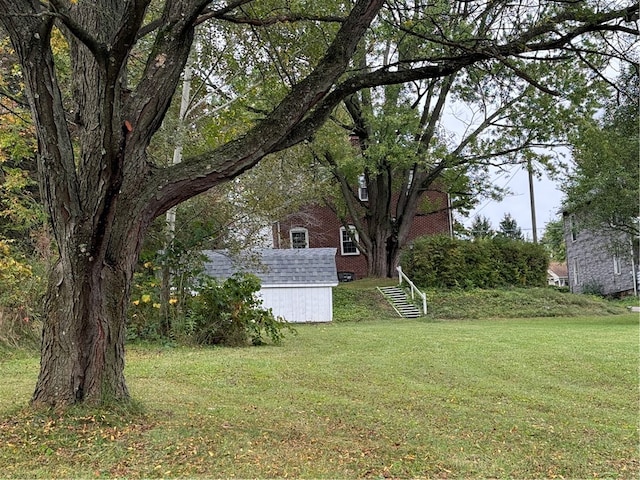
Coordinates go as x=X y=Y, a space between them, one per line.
x=547 y=195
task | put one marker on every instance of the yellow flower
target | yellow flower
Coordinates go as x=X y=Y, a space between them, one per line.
x=136 y=302
x=146 y=298
x=173 y=301
x=148 y=265
x=156 y=305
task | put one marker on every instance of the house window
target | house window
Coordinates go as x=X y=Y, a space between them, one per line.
x=299 y=238
x=363 y=191
x=572 y=227
x=348 y=239
x=576 y=272
x=616 y=265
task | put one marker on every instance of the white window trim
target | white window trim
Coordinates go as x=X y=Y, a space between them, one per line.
x=576 y=272
x=299 y=230
x=617 y=266
x=572 y=227
x=354 y=234
x=363 y=191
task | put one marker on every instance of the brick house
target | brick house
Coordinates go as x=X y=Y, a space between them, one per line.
x=598 y=261
x=317 y=226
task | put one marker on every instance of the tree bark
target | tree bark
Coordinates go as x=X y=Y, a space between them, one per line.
x=388 y=235
x=82 y=357
x=383 y=257
x=100 y=191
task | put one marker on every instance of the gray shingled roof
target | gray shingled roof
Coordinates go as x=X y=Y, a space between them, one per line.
x=298 y=266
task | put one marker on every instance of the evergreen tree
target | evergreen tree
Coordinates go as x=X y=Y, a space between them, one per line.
x=481 y=228
x=509 y=228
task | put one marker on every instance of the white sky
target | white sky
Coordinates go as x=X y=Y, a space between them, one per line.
x=547 y=195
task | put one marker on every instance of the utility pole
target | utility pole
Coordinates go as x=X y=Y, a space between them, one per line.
x=170 y=232
x=533 y=202
x=177 y=151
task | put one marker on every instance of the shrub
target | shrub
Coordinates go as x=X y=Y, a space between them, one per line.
x=143 y=318
x=478 y=263
x=147 y=317
x=15 y=275
x=231 y=314
x=18 y=329
x=21 y=290
x=593 y=287
x=433 y=262
x=442 y=262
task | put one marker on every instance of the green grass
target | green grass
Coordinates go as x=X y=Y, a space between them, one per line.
x=360 y=301
x=18 y=333
x=517 y=303
x=516 y=398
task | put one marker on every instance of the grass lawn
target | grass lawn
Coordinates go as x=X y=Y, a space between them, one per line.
x=516 y=398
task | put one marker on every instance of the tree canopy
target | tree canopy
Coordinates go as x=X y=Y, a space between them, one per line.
x=604 y=187
x=553 y=240
x=481 y=228
x=444 y=133
x=98 y=102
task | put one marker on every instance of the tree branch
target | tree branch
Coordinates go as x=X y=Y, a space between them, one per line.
x=62 y=13
x=18 y=100
x=163 y=68
x=442 y=66
x=265 y=22
x=528 y=78
x=202 y=172
x=12 y=111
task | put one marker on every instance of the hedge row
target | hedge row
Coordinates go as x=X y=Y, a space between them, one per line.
x=443 y=262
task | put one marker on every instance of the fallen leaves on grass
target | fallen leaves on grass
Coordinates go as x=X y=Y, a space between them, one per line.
x=86 y=439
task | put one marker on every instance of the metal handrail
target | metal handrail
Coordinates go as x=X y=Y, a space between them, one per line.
x=402 y=276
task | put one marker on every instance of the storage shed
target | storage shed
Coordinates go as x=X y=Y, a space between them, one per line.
x=296 y=283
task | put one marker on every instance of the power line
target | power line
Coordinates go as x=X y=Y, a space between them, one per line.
x=492 y=200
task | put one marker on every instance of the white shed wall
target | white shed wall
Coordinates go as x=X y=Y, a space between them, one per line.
x=299 y=304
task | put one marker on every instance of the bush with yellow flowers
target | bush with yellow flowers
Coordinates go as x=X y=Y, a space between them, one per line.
x=144 y=320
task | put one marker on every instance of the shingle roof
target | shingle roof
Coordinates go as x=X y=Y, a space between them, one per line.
x=560 y=269
x=299 y=266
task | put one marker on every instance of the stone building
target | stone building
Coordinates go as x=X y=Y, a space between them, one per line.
x=600 y=262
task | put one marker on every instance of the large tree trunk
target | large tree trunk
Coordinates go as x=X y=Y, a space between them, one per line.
x=388 y=240
x=384 y=254
x=84 y=333
x=382 y=223
x=99 y=188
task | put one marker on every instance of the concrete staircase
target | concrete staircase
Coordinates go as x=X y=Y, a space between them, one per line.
x=400 y=302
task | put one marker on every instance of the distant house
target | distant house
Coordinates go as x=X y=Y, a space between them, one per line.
x=317 y=226
x=558 y=274
x=599 y=261
x=296 y=283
